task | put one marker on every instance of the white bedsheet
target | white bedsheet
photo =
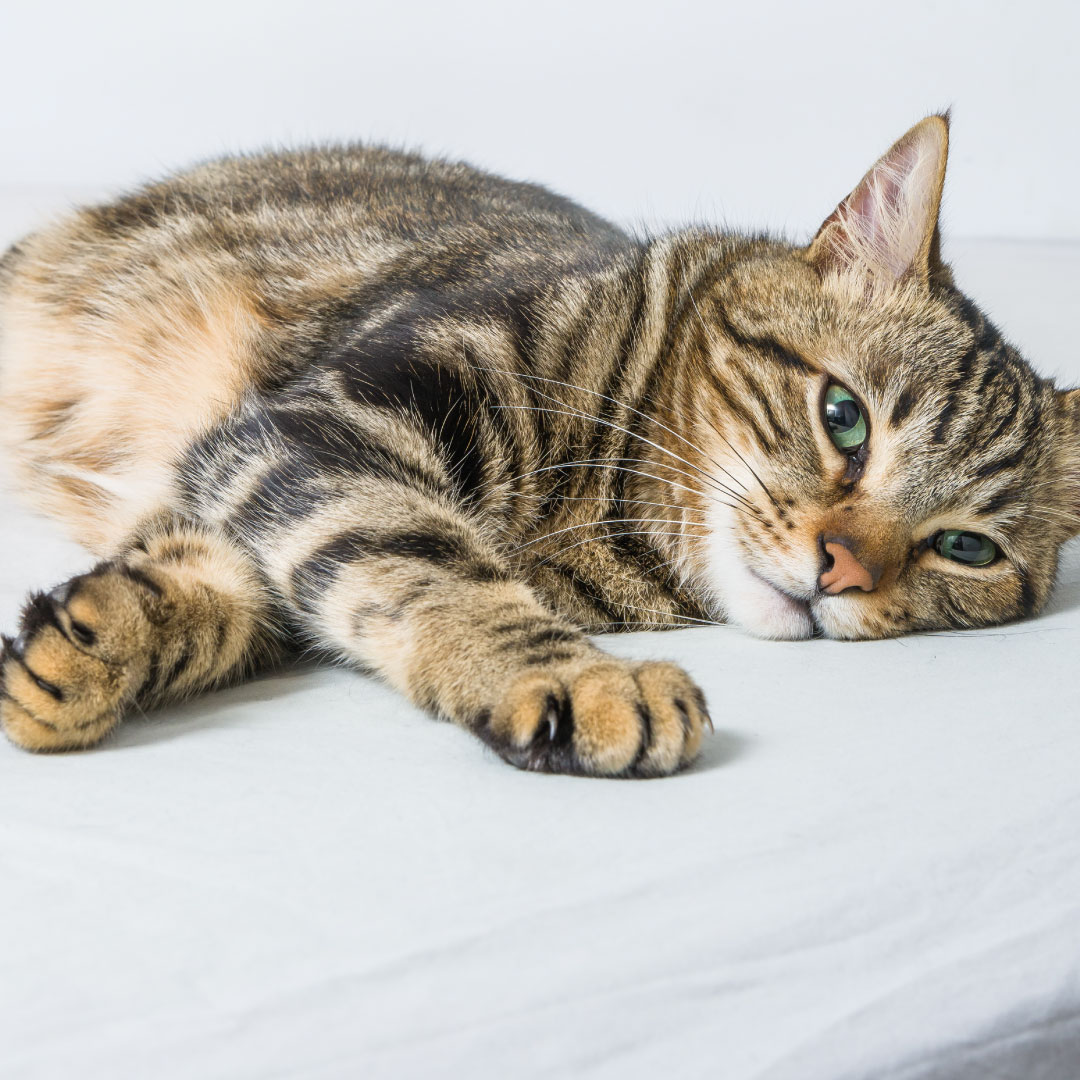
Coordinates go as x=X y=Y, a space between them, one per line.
x=874 y=872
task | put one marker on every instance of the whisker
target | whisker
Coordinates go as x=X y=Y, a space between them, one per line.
x=688 y=618
x=640 y=461
x=713 y=341
x=712 y=481
x=670 y=562
x=583 y=414
x=623 y=405
x=614 y=536
x=600 y=524
x=602 y=499
x=637 y=472
x=654 y=611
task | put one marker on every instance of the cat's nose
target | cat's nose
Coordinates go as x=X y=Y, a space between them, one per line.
x=842 y=570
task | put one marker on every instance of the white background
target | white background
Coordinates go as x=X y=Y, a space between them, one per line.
x=755 y=114
x=873 y=871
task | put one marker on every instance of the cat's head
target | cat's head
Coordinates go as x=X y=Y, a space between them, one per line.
x=880 y=459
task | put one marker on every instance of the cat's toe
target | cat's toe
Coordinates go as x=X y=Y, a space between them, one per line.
x=678 y=717
x=52 y=695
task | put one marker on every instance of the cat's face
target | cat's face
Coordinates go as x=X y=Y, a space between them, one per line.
x=885 y=461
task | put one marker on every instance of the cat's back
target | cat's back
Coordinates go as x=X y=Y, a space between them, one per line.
x=343 y=193
x=289 y=222
x=128 y=327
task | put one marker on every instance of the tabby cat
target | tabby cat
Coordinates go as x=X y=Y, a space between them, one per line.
x=443 y=426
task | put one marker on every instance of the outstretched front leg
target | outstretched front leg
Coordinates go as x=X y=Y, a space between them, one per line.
x=181 y=611
x=424 y=599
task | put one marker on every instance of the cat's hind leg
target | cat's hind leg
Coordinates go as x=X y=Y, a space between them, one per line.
x=181 y=610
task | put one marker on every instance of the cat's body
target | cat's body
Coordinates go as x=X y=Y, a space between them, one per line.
x=270 y=291
x=439 y=424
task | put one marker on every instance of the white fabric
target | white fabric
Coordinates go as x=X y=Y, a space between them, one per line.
x=874 y=872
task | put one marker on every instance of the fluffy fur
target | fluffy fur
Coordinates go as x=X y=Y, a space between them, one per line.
x=442 y=426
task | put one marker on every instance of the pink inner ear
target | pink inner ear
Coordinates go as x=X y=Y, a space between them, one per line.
x=880 y=198
x=887 y=222
x=888 y=211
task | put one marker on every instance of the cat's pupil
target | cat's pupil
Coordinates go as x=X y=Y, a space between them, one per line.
x=844 y=419
x=842 y=415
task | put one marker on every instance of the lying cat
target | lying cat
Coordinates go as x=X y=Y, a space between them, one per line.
x=442 y=425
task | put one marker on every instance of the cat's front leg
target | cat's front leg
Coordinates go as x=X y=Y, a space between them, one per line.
x=427 y=603
x=180 y=610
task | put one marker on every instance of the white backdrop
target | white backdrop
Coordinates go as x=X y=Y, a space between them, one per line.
x=305 y=877
x=760 y=114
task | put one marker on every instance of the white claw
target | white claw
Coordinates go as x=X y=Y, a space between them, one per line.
x=553 y=723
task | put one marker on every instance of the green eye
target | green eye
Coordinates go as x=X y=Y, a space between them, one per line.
x=965 y=547
x=844 y=419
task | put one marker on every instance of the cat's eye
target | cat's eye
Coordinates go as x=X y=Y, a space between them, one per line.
x=844 y=419
x=965 y=547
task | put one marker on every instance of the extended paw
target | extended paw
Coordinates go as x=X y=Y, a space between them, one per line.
x=601 y=717
x=80 y=653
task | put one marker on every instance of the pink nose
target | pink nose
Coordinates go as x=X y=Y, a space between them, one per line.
x=846 y=572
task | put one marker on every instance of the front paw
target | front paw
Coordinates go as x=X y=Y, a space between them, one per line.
x=599 y=717
x=65 y=679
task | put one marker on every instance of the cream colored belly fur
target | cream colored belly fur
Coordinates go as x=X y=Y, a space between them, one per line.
x=108 y=370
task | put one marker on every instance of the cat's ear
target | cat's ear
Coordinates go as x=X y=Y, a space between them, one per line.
x=886 y=230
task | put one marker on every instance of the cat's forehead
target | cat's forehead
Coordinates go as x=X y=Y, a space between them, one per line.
x=835 y=320
x=888 y=339
x=912 y=354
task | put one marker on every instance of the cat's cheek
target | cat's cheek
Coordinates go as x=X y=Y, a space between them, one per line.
x=748 y=600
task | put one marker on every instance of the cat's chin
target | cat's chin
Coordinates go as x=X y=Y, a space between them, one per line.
x=768 y=612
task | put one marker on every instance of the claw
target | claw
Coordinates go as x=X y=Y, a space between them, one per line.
x=684 y=715
x=552 y=722
x=708 y=721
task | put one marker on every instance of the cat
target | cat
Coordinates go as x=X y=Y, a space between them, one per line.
x=443 y=426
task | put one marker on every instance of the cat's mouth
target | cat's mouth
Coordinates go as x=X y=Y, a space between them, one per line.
x=796 y=601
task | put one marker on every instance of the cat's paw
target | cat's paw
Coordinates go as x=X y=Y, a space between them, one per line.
x=600 y=717
x=81 y=652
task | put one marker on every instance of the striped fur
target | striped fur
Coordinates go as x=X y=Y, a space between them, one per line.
x=443 y=426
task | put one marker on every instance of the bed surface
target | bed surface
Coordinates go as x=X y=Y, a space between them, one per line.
x=873 y=872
